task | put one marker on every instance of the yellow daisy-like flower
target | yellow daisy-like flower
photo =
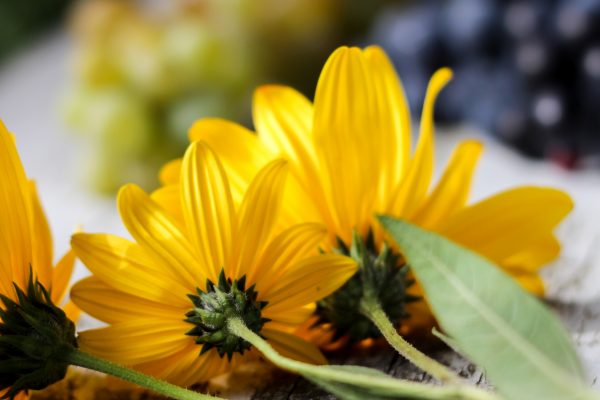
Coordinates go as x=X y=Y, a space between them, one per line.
x=165 y=295
x=350 y=157
x=25 y=243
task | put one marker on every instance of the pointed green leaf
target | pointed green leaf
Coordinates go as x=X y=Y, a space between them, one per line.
x=526 y=352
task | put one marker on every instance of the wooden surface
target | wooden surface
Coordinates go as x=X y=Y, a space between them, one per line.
x=287 y=387
x=582 y=320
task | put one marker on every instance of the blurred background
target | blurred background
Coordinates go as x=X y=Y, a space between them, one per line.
x=100 y=93
x=140 y=72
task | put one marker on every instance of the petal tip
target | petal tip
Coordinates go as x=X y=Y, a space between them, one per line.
x=443 y=74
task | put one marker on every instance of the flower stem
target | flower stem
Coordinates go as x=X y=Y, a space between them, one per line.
x=402 y=388
x=371 y=309
x=86 y=360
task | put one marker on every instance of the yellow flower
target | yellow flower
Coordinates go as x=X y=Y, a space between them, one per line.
x=145 y=289
x=25 y=239
x=350 y=157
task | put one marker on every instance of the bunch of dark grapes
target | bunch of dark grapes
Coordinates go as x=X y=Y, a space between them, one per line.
x=526 y=70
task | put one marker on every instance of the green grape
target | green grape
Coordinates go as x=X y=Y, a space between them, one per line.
x=121 y=122
x=182 y=113
x=137 y=51
x=96 y=66
x=198 y=53
x=74 y=107
x=107 y=172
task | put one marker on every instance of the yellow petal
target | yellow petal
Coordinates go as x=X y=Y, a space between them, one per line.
x=287 y=248
x=20 y=396
x=127 y=267
x=41 y=239
x=110 y=305
x=15 y=233
x=240 y=151
x=152 y=228
x=309 y=281
x=137 y=341
x=539 y=253
x=72 y=311
x=452 y=192
x=257 y=217
x=61 y=277
x=169 y=198
x=509 y=222
x=186 y=367
x=292 y=346
x=343 y=132
x=395 y=140
x=169 y=173
x=415 y=184
x=290 y=319
x=531 y=282
x=283 y=120
x=208 y=207
x=242 y=156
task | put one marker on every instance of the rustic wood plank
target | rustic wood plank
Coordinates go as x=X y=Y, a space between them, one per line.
x=582 y=321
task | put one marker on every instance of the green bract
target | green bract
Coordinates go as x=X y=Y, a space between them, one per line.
x=214 y=307
x=35 y=336
x=381 y=276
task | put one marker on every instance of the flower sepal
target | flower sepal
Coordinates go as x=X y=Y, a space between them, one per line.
x=381 y=278
x=35 y=338
x=213 y=308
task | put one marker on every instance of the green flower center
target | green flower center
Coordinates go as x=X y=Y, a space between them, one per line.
x=381 y=275
x=213 y=308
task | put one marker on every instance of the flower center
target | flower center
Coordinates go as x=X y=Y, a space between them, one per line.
x=213 y=308
x=381 y=275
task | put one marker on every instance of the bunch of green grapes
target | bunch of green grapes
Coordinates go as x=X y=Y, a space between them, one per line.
x=141 y=79
x=143 y=74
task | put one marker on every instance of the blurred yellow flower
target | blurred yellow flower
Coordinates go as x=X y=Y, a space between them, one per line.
x=214 y=257
x=350 y=158
x=25 y=239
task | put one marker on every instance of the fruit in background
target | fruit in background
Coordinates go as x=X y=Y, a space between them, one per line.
x=166 y=64
x=183 y=112
x=520 y=68
x=141 y=79
x=120 y=133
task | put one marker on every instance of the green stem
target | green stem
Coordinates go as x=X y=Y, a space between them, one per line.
x=82 y=359
x=371 y=309
x=406 y=388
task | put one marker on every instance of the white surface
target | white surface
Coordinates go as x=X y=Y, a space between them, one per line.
x=30 y=88
x=31 y=85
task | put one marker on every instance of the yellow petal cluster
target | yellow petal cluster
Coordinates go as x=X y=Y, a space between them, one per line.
x=141 y=286
x=351 y=158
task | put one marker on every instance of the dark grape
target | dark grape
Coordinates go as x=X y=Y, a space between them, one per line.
x=527 y=71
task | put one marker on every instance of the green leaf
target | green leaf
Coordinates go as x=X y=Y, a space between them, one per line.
x=526 y=352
